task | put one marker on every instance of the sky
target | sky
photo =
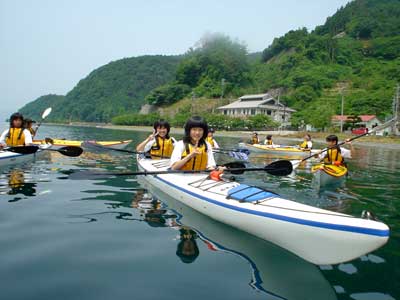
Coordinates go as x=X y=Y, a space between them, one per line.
x=47 y=46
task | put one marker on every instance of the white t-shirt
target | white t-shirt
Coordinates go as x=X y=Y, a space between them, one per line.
x=28 y=137
x=216 y=146
x=179 y=148
x=346 y=153
x=309 y=145
x=150 y=144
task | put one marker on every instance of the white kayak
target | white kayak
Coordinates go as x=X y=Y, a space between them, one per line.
x=316 y=235
x=8 y=158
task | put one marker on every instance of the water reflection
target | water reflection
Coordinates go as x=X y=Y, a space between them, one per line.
x=271 y=268
x=16 y=183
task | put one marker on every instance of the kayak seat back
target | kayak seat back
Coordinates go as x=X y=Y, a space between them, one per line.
x=248 y=193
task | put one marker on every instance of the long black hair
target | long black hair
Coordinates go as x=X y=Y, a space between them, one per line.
x=195 y=122
x=13 y=117
x=332 y=138
x=162 y=123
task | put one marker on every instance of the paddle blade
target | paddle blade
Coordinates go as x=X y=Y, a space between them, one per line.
x=279 y=168
x=46 y=112
x=23 y=149
x=235 y=165
x=72 y=151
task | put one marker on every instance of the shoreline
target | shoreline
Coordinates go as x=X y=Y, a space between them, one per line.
x=293 y=136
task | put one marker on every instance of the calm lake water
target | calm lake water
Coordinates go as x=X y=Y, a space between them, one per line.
x=110 y=239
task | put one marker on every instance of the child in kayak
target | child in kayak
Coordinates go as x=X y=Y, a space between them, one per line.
x=254 y=138
x=28 y=125
x=268 y=140
x=159 y=144
x=16 y=135
x=307 y=143
x=193 y=152
x=335 y=155
x=210 y=139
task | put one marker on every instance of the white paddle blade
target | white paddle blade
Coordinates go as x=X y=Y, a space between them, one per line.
x=46 y=112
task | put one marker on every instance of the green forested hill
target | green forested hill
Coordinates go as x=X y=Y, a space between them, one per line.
x=356 y=52
x=35 y=108
x=112 y=89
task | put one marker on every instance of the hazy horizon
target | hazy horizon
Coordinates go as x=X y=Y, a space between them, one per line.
x=48 y=46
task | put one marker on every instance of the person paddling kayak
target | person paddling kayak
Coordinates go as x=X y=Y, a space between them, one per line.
x=159 y=144
x=193 y=152
x=335 y=155
x=28 y=125
x=307 y=143
x=210 y=138
x=16 y=135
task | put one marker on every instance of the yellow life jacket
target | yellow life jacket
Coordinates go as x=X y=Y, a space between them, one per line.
x=254 y=140
x=333 y=155
x=269 y=142
x=162 y=148
x=210 y=140
x=15 y=137
x=304 y=145
x=199 y=162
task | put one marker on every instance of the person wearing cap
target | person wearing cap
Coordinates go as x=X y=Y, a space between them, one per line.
x=28 y=125
x=16 y=135
x=210 y=139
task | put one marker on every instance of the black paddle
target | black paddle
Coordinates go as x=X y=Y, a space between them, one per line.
x=23 y=149
x=277 y=168
x=72 y=151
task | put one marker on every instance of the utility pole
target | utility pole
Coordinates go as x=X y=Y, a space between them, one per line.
x=396 y=109
x=341 y=114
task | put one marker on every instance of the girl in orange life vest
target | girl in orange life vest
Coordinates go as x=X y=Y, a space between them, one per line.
x=159 y=144
x=254 y=138
x=16 y=135
x=210 y=139
x=336 y=155
x=193 y=152
x=268 y=140
x=307 y=143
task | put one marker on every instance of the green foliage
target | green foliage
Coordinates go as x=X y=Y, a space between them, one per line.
x=35 y=108
x=216 y=58
x=364 y=19
x=136 y=119
x=167 y=94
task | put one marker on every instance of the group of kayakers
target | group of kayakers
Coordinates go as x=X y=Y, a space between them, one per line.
x=334 y=155
x=193 y=152
x=20 y=132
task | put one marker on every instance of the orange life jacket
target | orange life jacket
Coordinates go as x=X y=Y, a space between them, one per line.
x=199 y=162
x=15 y=137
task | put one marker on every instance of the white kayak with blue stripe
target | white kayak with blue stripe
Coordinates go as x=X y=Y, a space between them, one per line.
x=316 y=235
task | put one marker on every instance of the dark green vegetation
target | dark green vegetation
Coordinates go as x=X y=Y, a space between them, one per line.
x=356 y=52
x=110 y=90
x=216 y=121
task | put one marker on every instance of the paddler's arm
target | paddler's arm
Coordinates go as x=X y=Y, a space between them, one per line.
x=350 y=152
x=142 y=145
x=28 y=137
x=177 y=162
x=3 y=139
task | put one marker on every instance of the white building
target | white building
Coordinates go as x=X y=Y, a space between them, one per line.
x=250 y=105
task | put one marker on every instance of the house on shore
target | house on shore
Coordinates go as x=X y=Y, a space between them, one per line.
x=251 y=105
x=366 y=121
